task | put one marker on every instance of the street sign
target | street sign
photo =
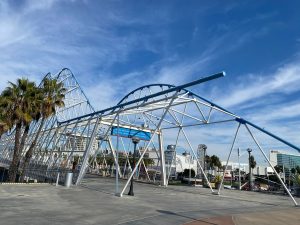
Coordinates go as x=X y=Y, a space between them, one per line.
x=130 y=133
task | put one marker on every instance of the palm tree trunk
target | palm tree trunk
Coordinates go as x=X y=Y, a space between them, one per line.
x=29 y=153
x=18 y=152
x=14 y=164
x=23 y=139
x=2 y=131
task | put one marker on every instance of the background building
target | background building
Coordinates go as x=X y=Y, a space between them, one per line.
x=289 y=161
x=234 y=165
x=177 y=163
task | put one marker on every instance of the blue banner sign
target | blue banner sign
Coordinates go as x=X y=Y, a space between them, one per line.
x=130 y=133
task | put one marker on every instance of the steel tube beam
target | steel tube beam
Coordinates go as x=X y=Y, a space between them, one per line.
x=87 y=153
x=236 y=133
x=177 y=89
x=141 y=157
x=162 y=161
x=264 y=154
x=243 y=121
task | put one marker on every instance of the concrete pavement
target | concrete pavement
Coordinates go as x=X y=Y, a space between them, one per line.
x=277 y=217
x=94 y=203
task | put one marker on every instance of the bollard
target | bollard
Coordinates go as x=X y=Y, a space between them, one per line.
x=68 y=180
x=57 y=179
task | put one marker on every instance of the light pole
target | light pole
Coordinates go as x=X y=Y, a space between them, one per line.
x=203 y=147
x=289 y=178
x=239 y=155
x=283 y=171
x=239 y=169
x=249 y=150
x=189 y=158
x=135 y=141
x=204 y=164
x=171 y=150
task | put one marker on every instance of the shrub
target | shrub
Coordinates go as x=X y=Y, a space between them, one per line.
x=296 y=180
x=218 y=179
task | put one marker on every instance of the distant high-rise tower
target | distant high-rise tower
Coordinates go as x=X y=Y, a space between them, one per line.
x=201 y=152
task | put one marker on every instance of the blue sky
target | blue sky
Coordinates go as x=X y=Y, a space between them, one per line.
x=113 y=47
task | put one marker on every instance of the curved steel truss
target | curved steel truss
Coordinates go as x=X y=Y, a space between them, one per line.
x=81 y=140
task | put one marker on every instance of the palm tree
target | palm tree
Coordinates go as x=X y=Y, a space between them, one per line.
x=51 y=96
x=19 y=105
x=3 y=127
x=5 y=124
x=252 y=162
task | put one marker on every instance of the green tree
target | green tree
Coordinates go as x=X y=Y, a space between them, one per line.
x=298 y=169
x=148 y=162
x=215 y=161
x=50 y=96
x=279 y=169
x=19 y=107
x=110 y=161
x=293 y=170
x=236 y=171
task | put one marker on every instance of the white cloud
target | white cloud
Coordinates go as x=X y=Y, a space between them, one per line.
x=178 y=73
x=263 y=100
x=12 y=32
x=286 y=79
x=37 y=39
x=32 y=5
x=44 y=36
x=281 y=111
x=107 y=90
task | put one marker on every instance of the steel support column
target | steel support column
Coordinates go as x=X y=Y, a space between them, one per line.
x=264 y=154
x=162 y=160
x=87 y=152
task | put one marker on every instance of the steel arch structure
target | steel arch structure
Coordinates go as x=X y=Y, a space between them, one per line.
x=80 y=139
x=76 y=104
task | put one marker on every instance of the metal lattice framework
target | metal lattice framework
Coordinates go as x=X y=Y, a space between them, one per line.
x=171 y=114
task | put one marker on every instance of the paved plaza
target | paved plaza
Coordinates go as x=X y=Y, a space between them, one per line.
x=94 y=203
